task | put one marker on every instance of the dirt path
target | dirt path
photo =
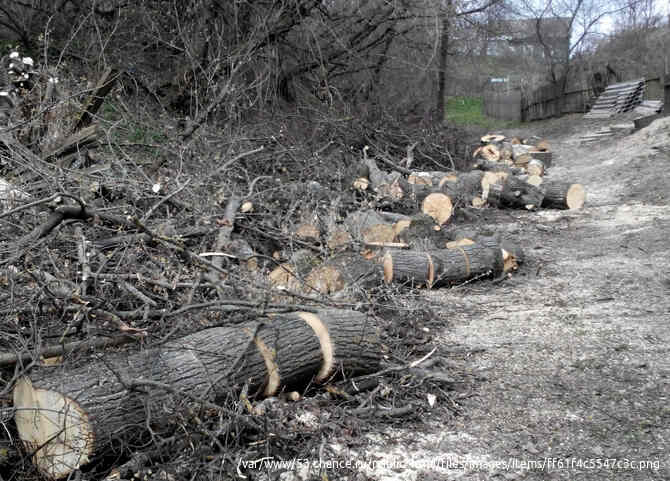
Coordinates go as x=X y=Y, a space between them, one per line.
x=574 y=349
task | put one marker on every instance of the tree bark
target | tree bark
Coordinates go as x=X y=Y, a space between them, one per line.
x=443 y=60
x=563 y=195
x=516 y=193
x=443 y=266
x=69 y=416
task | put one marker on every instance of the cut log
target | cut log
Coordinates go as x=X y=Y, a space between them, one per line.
x=422 y=233
x=462 y=190
x=10 y=196
x=308 y=231
x=545 y=157
x=361 y=183
x=512 y=253
x=339 y=239
x=346 y=271
x=67 y=417
x=492 y=139
x=489 y=179
x=289 y=275
x=542 y=146
x=426 y=178
x=535 y=180
x=521 y=154
x=522 y=160
x=563 y=195
x=386 y=185
x=515 y=193
x=535 y=167
x=438 y=206
x=442 y=267
x=75 y=143
x=497 y=167
x=369 y=226
x=506 y=152
x=379 y=233
x=488 y=152
x=420 y=178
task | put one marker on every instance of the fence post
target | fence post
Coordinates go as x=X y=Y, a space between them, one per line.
x=666 y=99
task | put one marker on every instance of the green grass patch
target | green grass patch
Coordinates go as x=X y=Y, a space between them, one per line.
x=469 y=112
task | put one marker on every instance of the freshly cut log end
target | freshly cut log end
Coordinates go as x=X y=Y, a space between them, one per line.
x=307 y=231
x=489 y=179
x=325 y=279
x=55 y=424
x=361 y=183
x=490 y=152
x=575 y=197
x=535 y=180
x=339 y=239
x=535 y=167
x=543 y=146
x=509 y=262
x=62 y=434
x=563 y=195
x=522 y=160
x=438 y=206
x=492 y=139
x=478 y=202
x=379 y=233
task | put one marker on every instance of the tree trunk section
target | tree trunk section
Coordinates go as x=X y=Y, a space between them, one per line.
x=69 y=416
x=563 y=195
x=442 y=267
x=515 y=193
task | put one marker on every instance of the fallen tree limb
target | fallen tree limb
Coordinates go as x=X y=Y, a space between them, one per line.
x=94 y=102
x=68 y=417
x=10 y=358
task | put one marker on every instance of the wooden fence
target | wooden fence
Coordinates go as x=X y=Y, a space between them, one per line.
x=539 y=104
x=546 y=101
x=503 y=104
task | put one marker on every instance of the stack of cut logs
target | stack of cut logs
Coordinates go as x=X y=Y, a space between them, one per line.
x=420 y=246
x=520 y=162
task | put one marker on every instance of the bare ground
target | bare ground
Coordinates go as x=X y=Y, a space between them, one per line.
x=572 y=352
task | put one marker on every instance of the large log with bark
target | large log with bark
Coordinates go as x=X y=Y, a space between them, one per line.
x=563 y=195
x=434 y=268
x=516 y=193
x=66 y=417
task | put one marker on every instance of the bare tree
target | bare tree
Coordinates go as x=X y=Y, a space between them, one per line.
x=581 y=22
x=451 y=12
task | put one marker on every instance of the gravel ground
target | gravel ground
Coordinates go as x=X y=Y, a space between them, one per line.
x=571 y=353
